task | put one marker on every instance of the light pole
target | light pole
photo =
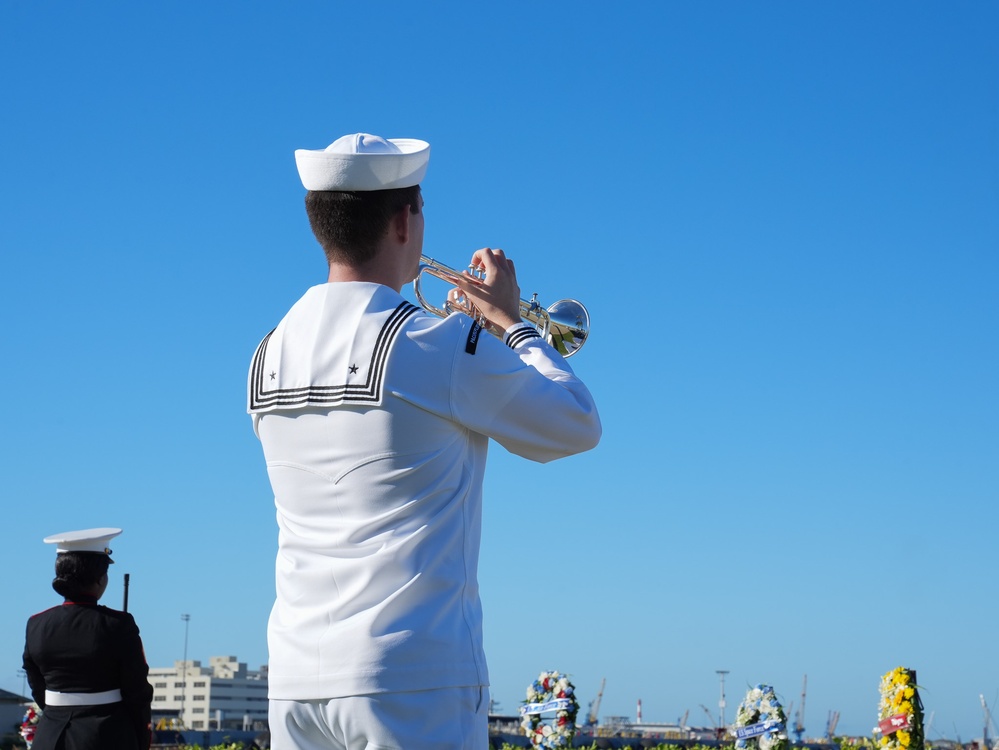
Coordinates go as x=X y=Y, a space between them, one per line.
x=183 y=679
x=721 y=703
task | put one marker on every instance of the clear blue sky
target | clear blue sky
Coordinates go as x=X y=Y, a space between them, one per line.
x=783 y=217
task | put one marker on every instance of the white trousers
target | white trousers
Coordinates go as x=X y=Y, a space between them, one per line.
x=443 y=719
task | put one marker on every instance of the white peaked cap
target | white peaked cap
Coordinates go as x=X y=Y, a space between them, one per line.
x=87 y=540
x=364 y=162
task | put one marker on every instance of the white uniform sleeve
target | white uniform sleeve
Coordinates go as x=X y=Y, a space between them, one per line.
x=531 y=403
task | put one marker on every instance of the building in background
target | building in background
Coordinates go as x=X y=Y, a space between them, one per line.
x=223 y=695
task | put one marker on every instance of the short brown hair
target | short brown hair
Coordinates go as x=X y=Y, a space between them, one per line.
x=349 y=224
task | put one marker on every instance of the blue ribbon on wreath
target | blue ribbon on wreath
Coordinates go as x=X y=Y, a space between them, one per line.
x=556 y=704
x=755 y=730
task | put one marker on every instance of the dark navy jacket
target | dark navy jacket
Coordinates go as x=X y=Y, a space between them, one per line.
x=83 y=647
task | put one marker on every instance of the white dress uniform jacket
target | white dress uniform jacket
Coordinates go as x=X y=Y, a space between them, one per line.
x=374 y=419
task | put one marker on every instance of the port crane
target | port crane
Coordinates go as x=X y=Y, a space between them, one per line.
x=714 y=724
x=831 y=724
x=719 y=731
x=799 y=718
x=594 y=707
x=989 y=744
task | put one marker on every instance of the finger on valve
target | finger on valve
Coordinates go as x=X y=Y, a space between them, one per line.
x=485 y=259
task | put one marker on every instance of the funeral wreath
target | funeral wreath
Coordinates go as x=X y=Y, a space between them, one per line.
x=760 y=723
x=551 y=693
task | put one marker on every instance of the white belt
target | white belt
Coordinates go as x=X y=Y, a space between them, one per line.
x=52 y=698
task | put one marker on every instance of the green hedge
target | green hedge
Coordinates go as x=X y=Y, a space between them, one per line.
x=505 y=746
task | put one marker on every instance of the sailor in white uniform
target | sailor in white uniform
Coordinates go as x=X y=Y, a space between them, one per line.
x=375 y=418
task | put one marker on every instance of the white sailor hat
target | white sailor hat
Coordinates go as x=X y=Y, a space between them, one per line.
x=87 y=540
x=364 y=162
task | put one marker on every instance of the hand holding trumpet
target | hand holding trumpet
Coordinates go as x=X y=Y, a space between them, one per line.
x=494 y=293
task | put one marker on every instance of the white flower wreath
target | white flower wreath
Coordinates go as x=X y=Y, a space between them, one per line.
x=551 y=692
x=760 y=721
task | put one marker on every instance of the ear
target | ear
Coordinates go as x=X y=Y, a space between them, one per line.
x=399 y=226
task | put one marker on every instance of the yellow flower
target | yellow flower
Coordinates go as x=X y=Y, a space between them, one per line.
x=905 y=707
x=884 y=741
x=903 y=737
x=909 y=692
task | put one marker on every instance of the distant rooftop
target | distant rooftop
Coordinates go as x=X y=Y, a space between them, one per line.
x=8 y=697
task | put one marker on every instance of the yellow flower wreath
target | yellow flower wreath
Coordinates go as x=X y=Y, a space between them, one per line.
x=900 y=712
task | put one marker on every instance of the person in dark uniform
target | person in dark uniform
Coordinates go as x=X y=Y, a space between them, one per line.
x=84 y=662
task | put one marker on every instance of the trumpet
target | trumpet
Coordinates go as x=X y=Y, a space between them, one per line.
x=565 y=324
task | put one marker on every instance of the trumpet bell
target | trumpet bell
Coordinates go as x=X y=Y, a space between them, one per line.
x=568 y=326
